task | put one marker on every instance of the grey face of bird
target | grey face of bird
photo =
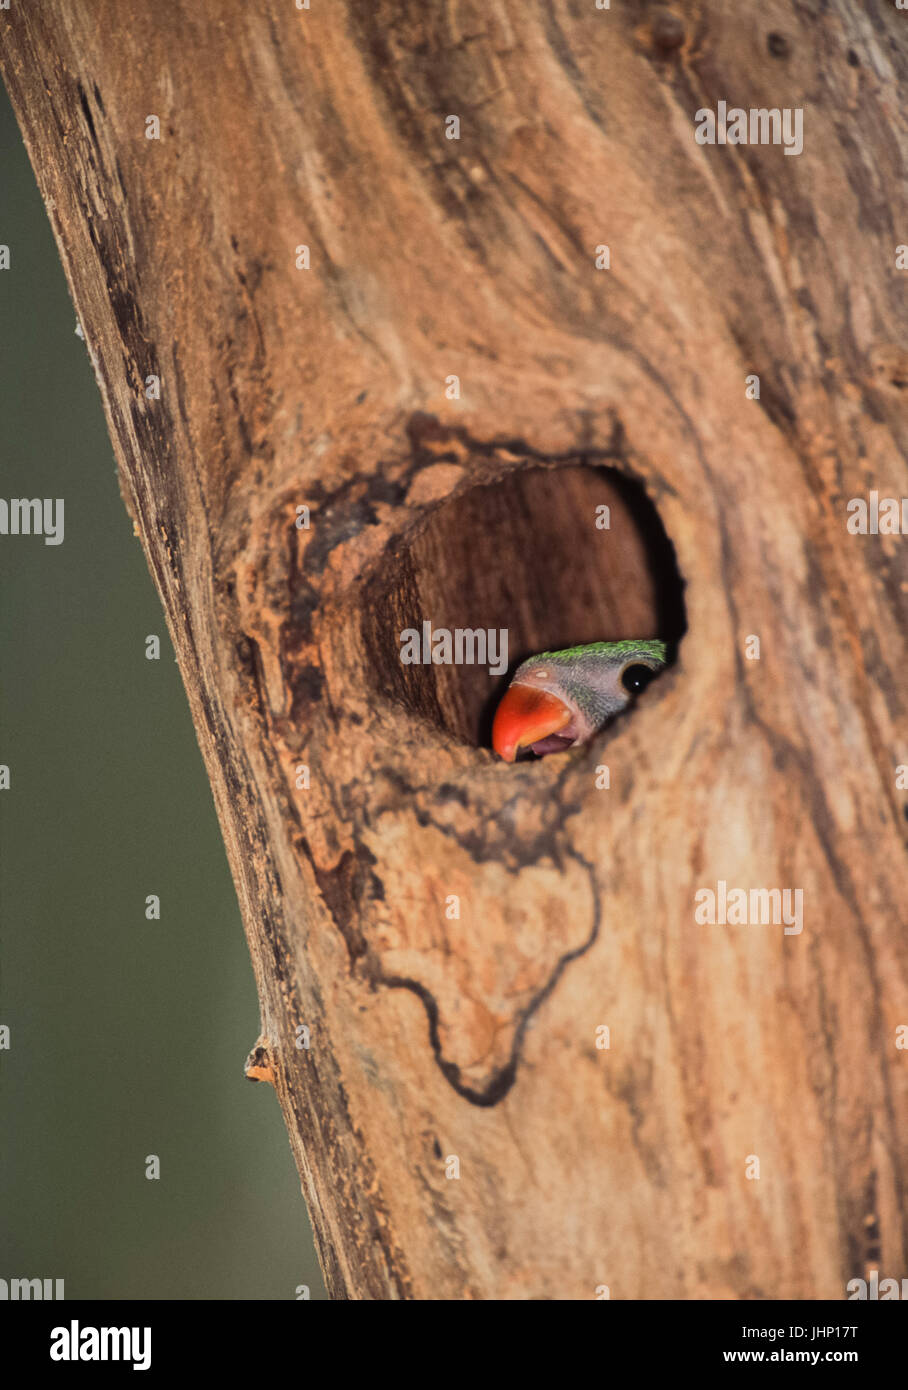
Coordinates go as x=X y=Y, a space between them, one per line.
x=559 y=699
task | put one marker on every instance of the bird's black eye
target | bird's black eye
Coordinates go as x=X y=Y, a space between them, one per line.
x=636 y=678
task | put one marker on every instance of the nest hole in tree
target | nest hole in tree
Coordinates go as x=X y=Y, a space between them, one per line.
x=528 y=554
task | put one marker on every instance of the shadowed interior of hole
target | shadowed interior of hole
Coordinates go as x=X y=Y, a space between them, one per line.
x=524 y=554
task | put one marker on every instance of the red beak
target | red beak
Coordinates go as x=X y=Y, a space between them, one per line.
x=525 y=716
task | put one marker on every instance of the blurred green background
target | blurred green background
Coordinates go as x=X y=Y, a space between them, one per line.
x=128 y=1036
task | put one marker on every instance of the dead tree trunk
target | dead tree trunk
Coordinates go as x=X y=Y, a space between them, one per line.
x=320 y=378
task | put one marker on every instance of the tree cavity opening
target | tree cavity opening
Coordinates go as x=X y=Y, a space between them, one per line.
x=553 y=556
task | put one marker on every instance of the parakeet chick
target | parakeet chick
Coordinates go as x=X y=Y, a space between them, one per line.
x=558 y=699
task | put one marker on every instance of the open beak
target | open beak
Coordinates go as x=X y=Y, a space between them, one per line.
x=524 y=717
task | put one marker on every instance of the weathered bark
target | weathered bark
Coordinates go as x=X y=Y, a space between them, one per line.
x=325 y=387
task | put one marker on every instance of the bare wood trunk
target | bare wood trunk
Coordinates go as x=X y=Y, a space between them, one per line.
x=325 y=388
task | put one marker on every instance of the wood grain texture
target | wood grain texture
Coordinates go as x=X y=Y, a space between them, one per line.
x=326 y=387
